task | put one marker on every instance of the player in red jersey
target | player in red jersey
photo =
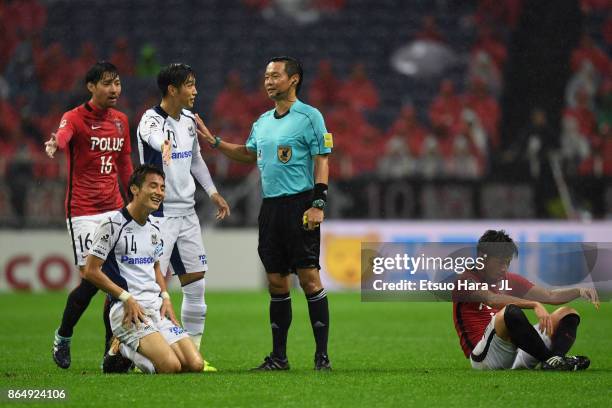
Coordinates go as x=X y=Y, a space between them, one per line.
x=493 y=330
x=96 y=139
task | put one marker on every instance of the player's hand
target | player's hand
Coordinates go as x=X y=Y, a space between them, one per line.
x=132 y=313
x=203 y=131
x=51 y=146
x=223 y=209
x=168 y=311
x=313 y=217
x=591 y=295
x=166 y=152
x=546 y=324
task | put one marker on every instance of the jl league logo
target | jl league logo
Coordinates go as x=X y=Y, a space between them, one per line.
x=284 y=153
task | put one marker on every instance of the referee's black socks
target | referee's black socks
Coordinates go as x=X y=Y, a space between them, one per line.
x=280 y=320
x=318 y=310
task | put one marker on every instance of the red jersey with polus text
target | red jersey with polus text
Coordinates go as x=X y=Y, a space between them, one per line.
x=97 y=145
x=471 y=318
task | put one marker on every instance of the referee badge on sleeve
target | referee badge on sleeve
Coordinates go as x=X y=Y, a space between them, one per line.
x=284 y=153
x=328 y=140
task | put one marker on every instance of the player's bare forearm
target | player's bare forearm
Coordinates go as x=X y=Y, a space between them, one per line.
x=321 y=168
x=159 y=277
x=553 y=297
x=93 y=273
x=237 y=152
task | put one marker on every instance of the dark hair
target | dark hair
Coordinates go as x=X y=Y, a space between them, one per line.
x=97 y=71
x=497 y=244
x=175 y=74
x=140 y=174
x=292 y=67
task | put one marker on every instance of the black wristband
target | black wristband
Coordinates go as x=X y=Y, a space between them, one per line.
x=320 y=192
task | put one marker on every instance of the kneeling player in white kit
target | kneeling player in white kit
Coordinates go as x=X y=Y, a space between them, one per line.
x=171 y=124
x=124 y=262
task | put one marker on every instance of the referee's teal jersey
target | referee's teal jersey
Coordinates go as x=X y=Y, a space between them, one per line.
x=285 y=147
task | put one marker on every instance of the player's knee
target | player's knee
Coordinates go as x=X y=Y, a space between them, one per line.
x=513 y=315
x=168 y=365
x=194 y=365
x=278 y=285
x=563 y=311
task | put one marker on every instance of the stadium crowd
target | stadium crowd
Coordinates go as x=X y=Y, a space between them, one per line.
x=454 y=134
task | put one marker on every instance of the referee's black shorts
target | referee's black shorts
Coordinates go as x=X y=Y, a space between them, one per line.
x=284 y=244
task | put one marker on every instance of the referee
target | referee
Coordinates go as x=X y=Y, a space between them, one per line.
x=290 y=146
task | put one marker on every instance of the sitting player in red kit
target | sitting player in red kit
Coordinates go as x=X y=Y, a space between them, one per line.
x=493 y=330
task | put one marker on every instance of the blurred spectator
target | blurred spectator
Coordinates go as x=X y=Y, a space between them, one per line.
x=148 y=66
x=323 y=90
x=587 y=80
x=445 y=110
x=429 y=30
x=431 y=163
x=359 y=91
x=49 y=121
x=83 y=62
x=486 y=108
x=408 y=128
x=20 y=71
x=482 y=67
x=584 y=115
x=594 y=6
x=575 y=147
x=604 y=107
x=498 y=12
x=30 y=16
x=122 y=57
x=589 y=51
x=8 y=34
x=471 y=128
x=19 y=176
x=606 y=31
x=290 y=11
x=231 y=109
x=49 y=63
x=397 y=162
x=463 y=163
x=10 y=121
x=489 y=43
x=535 y=142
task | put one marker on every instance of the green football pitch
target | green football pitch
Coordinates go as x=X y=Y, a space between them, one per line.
x=383 y=354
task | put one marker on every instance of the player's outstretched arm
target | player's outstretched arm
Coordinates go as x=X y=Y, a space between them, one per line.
x=94 y=274
x=236 y=152
x=562 y=296
x=51 y=146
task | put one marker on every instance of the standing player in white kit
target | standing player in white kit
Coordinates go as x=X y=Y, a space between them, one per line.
x=170 y=128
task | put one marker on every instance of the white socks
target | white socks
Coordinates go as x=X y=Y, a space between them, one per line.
x=193 y=310
x=144 y=364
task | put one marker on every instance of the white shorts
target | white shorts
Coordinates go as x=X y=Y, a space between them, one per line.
x=81 y=230
x=154 y=323
x=494 y=353
x=183 y=247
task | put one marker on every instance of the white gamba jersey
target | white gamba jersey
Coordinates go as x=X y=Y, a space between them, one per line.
x=155 y=127
x=130 y=251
